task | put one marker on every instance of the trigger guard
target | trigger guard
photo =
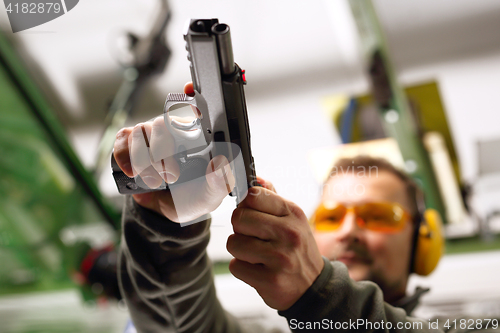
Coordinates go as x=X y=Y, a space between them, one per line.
x=186 y=131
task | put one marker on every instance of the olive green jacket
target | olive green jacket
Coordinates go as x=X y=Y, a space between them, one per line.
x=166 y=280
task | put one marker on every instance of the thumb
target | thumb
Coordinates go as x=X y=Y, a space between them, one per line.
x=189 y=200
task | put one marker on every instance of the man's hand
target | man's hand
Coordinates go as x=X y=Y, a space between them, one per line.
x=192 y=199
x=273 y=247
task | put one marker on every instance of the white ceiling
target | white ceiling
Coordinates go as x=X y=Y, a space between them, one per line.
x=277 y=42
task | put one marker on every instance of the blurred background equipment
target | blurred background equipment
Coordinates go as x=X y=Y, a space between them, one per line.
x=397 y=119
x=486 y=188
x=428 y=117
x=51 y=211
x=47 y=189
x=54 y=226
x=57 y=231
x=149 y=56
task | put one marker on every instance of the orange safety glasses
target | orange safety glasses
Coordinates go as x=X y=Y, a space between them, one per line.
x=388 y=217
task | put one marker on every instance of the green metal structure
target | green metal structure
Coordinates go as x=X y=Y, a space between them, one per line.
x=392 y=102
x=46 y=193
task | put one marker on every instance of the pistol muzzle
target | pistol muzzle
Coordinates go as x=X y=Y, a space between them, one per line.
x=223 y=37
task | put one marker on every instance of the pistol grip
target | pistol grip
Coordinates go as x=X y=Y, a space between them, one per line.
x=189 y=170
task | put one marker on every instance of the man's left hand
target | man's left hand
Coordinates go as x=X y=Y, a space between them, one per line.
x=273 y=247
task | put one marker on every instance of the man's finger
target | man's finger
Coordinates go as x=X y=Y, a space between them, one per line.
x=252 y=274
x=266 y=201
x=121 y=151
x=249 y=249
x=220 y=178
x=162 y=148
x=253 y=223
x=266 y=184
x=139 y=155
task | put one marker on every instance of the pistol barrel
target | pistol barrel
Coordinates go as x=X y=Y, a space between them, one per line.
x=223 y=37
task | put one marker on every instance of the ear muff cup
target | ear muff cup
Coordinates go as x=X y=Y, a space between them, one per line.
x=430 y=243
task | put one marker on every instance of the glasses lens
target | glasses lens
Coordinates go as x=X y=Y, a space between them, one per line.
x=328 y=219
x=385 y=217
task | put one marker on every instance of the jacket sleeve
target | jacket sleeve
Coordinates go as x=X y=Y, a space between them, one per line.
x=165 y=275
x=335 y=301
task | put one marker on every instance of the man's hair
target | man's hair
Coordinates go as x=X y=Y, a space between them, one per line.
x=364 y=162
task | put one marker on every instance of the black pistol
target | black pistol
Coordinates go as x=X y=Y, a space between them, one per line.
x=221 y=123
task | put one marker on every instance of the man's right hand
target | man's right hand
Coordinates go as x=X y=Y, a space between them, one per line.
x=192 y=199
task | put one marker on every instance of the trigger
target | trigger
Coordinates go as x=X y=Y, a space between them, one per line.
x=191 y=126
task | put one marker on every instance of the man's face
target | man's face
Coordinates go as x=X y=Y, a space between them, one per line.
x=369 y=255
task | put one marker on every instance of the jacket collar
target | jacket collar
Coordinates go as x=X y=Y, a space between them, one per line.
x=409 y=303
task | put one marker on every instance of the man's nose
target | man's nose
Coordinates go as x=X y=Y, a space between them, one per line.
x=349 y=228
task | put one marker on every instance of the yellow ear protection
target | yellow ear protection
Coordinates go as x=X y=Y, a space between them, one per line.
x=428 y=240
